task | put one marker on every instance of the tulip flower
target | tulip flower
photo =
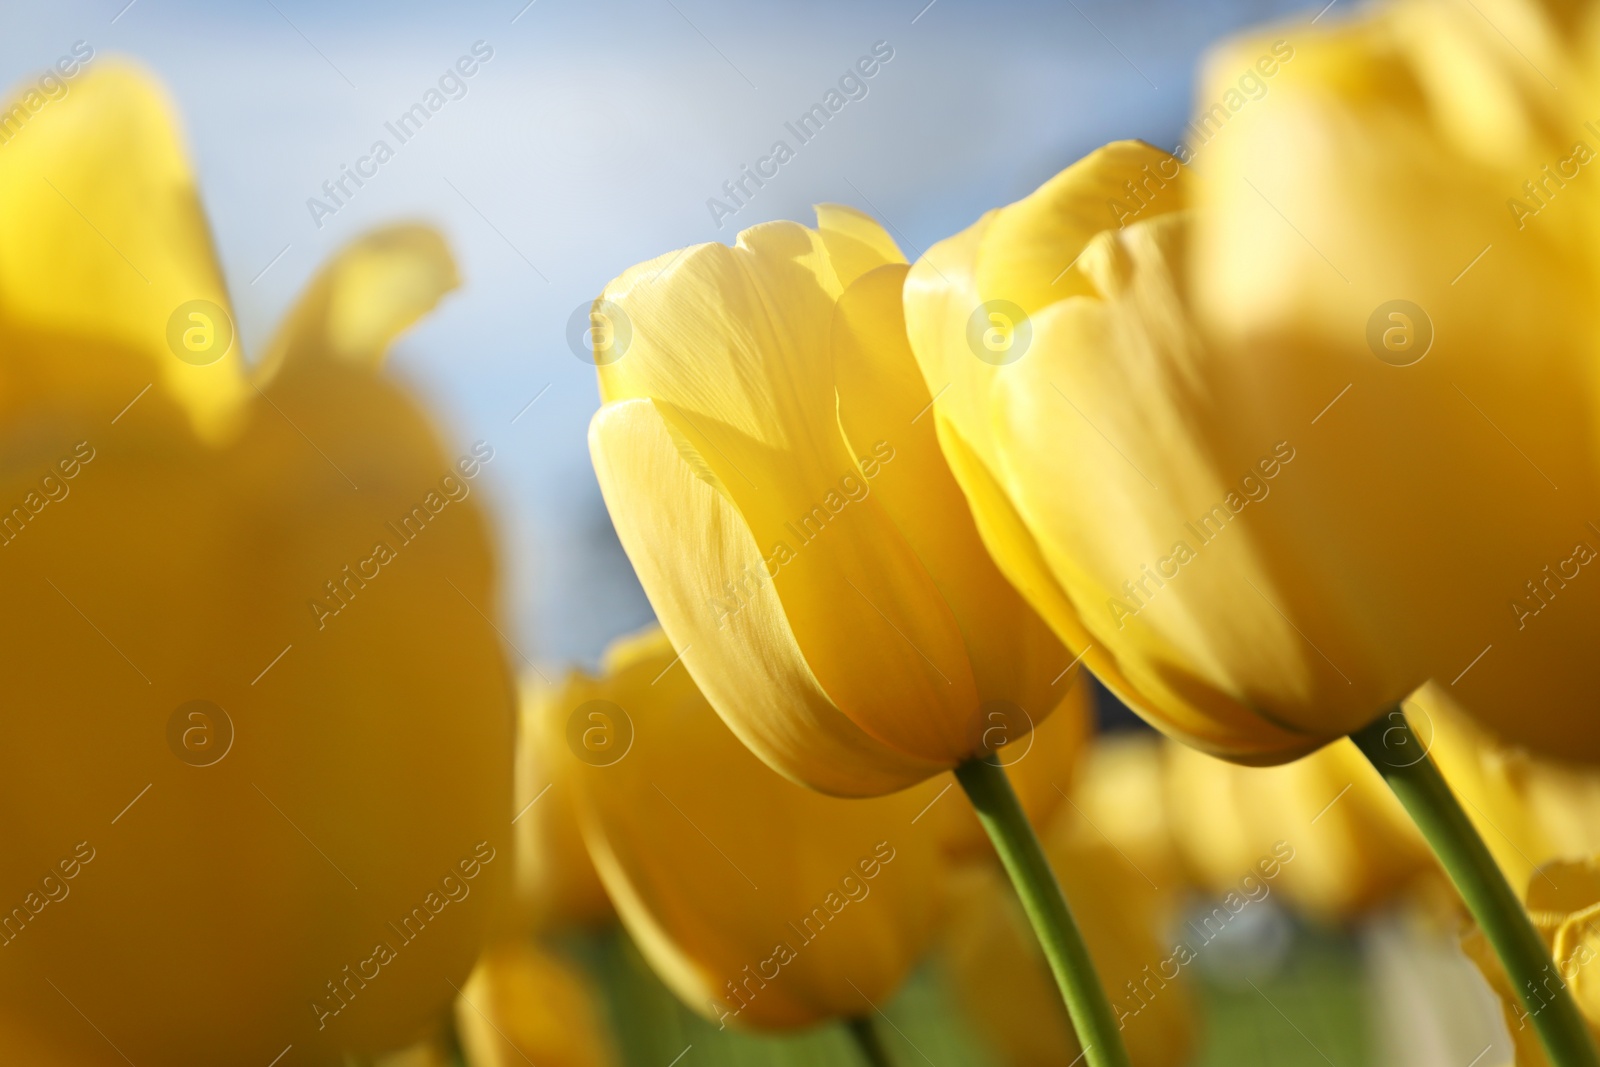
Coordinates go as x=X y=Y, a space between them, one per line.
x=524 y=1004
x=790 y=515
x=1091 y=464
x=1401 y=227
x=765 y=453
x=1564 y=900
x=257 y=766
x=760 y=903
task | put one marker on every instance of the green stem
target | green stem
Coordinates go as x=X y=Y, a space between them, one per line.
x=868 y=1041
x=1401 y=758
x=1002 y=817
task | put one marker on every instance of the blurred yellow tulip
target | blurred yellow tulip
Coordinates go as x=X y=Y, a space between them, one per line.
x=1353 y=846
x=1001 y=977
x=759 y=902
x=1394 y=260
x=554 y=883
x=1121 y=792
x=1529 y=811
x=257 y=777
x=1564 y=904
x=524 y=1004
x=430 y=1053
x=764 y=455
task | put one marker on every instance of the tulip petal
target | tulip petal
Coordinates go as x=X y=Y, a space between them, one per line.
x=1042 y=235
x=882 y=398
x=103 y=239
x=526 y=1005
x=735 y=629
x=1107 y=389
x=555 y=885
x=375 y=289
x=1144 y=502
x=855 y=242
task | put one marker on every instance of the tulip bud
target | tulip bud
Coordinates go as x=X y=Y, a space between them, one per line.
x=759 y=902
x=1121 y=793
x=1107 y=490
x=526 y=1005
x=766 y=454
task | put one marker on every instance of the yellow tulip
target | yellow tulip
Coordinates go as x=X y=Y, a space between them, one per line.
x=759 y=902
x=555 y=886
x=1121 y=792
x=1397 y=240
x=1001 y=977
x=1074 y=408
x=430 y=1053
x=1529 y=811
x=1158 y=495
x=523 y=1004
x=257 y=777
x=765 y=452
x=1564 y=904
x=1343 y=842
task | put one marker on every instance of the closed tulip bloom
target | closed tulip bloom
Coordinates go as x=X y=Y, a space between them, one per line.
x=765 y=453
x=257 y=768
x=554 y=884
x=1074 y=406
x=524 y=1004
x=759 y=902
x=1564 y=903
x=1405 y=221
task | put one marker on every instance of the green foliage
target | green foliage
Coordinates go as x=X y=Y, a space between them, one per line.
x=1311 y=1012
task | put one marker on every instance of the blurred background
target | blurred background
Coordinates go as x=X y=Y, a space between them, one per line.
x=593 y=137
x=590 y=141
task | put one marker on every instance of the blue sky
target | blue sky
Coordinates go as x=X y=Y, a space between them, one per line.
x=592 y=140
